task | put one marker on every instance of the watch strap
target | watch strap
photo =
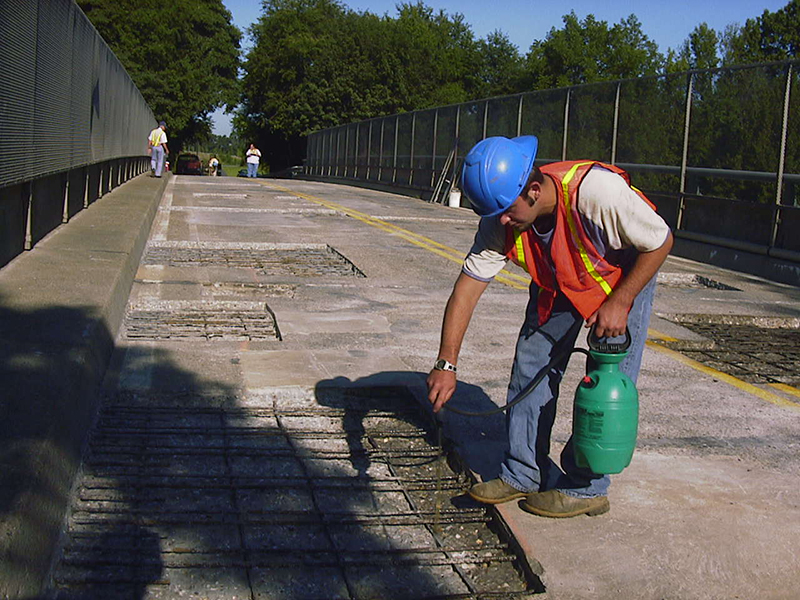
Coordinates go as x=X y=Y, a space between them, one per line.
x=444 y=365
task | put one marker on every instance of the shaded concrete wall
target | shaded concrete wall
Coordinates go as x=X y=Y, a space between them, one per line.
x=60 y=309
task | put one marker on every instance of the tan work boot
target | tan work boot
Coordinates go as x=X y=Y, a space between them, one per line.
x=495 y=491
x=553 y=503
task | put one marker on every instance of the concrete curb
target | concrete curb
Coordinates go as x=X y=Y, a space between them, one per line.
x=61 y=306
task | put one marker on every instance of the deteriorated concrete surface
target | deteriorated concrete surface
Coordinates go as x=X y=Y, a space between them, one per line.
x=207 y=482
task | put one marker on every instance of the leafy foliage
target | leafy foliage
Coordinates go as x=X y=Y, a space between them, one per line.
x=769 y=37
x=589 y=51
x=183 y=55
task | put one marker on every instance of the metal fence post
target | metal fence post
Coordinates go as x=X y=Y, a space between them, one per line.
x=394 y=160
x=686 y=122
x=519 y=115
x=616 y=126
x=776 y=215
x=485 y=118
x=369 y=149
x=338 y=152
x=28 y=187
x=65 y=214
x=86 y=188
x=346 y=150
x=566 y=126
x=380 y=152
x=411 y=151
x=433 y=151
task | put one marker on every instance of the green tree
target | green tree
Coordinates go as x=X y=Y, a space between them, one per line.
x=183 y=55
x=769 y=37
x=589 y=51
x=501 y=66
x=317 y=64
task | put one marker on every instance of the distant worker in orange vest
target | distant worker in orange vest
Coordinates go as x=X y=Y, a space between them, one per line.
x=157 y=148
x=592 y=245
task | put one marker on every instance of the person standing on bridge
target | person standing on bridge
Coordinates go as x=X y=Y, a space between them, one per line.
x=592 y=245
x=253 y=158
x=157 y=148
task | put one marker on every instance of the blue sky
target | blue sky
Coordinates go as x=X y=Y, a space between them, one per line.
x=666 y=22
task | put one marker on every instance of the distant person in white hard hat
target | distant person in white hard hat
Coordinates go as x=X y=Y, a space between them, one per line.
x=157 y=148
x=592 y=245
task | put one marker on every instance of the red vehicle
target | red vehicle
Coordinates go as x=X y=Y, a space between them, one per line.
x=188 y=164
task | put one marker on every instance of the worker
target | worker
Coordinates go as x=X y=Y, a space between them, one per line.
x=592 y=245
x=157 y=148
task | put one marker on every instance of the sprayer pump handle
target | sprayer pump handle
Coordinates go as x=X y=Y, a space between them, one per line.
x=598 y=345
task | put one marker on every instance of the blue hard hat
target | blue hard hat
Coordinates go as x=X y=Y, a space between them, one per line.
x=495 y=172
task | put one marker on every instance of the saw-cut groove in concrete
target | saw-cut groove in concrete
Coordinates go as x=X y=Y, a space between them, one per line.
x=215 y=320
x=297 y=260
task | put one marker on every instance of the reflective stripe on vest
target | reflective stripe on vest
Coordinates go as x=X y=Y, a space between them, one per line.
x=574 y=231
x=572 y=264
x=520 y=250
x=155 y=137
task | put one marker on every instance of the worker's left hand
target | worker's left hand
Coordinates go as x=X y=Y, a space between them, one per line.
x=611 y=319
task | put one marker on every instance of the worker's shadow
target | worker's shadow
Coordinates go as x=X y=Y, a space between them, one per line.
x=480 y=442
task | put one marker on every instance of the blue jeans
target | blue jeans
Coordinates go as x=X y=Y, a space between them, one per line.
x=527 y=465
x=157 y=160
x=252 y=169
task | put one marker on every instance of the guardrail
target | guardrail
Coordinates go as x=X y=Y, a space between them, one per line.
x=72 y=123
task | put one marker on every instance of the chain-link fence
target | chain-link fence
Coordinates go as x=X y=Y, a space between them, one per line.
x=717 y=150
x=72 y=123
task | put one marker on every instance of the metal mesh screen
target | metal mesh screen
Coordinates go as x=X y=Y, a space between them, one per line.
x=743 y=134
x=65 y=99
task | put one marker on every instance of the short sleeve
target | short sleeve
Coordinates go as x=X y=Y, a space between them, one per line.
x=486 y=257
x=608 y=202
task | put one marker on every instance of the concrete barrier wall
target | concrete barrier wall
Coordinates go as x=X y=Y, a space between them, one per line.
x=60 y=309
x=13 y=217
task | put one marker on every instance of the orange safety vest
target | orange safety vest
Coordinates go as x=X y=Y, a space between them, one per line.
x=573 y=265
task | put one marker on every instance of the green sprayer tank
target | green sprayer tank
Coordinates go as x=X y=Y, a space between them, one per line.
x=605 y=415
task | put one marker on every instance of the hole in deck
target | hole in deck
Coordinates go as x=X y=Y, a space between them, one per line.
x=692 y=280
x=297 y=260
x=753 y=349
x=179 y=320
x=181 y=492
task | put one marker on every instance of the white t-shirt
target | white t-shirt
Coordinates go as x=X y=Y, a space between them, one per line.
x=614 y=217
x=253 y=156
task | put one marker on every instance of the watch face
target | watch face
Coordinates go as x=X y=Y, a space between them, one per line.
x=443 y=365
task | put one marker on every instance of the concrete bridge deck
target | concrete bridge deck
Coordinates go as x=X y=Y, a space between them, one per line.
x=356 y=282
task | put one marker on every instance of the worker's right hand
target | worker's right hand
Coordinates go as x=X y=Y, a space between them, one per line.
x=441 y=385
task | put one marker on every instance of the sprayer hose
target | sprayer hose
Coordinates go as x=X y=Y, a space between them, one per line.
x=564 y=354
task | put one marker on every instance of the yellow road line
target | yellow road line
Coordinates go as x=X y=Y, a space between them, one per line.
x=786 y=388
x=660 y=336
x=516 y=281
x=510 y=279
x=730 y=379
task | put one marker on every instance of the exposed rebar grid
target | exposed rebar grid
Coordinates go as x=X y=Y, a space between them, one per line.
x=295 y=498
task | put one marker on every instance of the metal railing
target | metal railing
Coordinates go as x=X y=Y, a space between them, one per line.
x=717 y=150
x=72 y=123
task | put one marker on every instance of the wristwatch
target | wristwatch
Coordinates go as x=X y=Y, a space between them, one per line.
x=444 y=365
